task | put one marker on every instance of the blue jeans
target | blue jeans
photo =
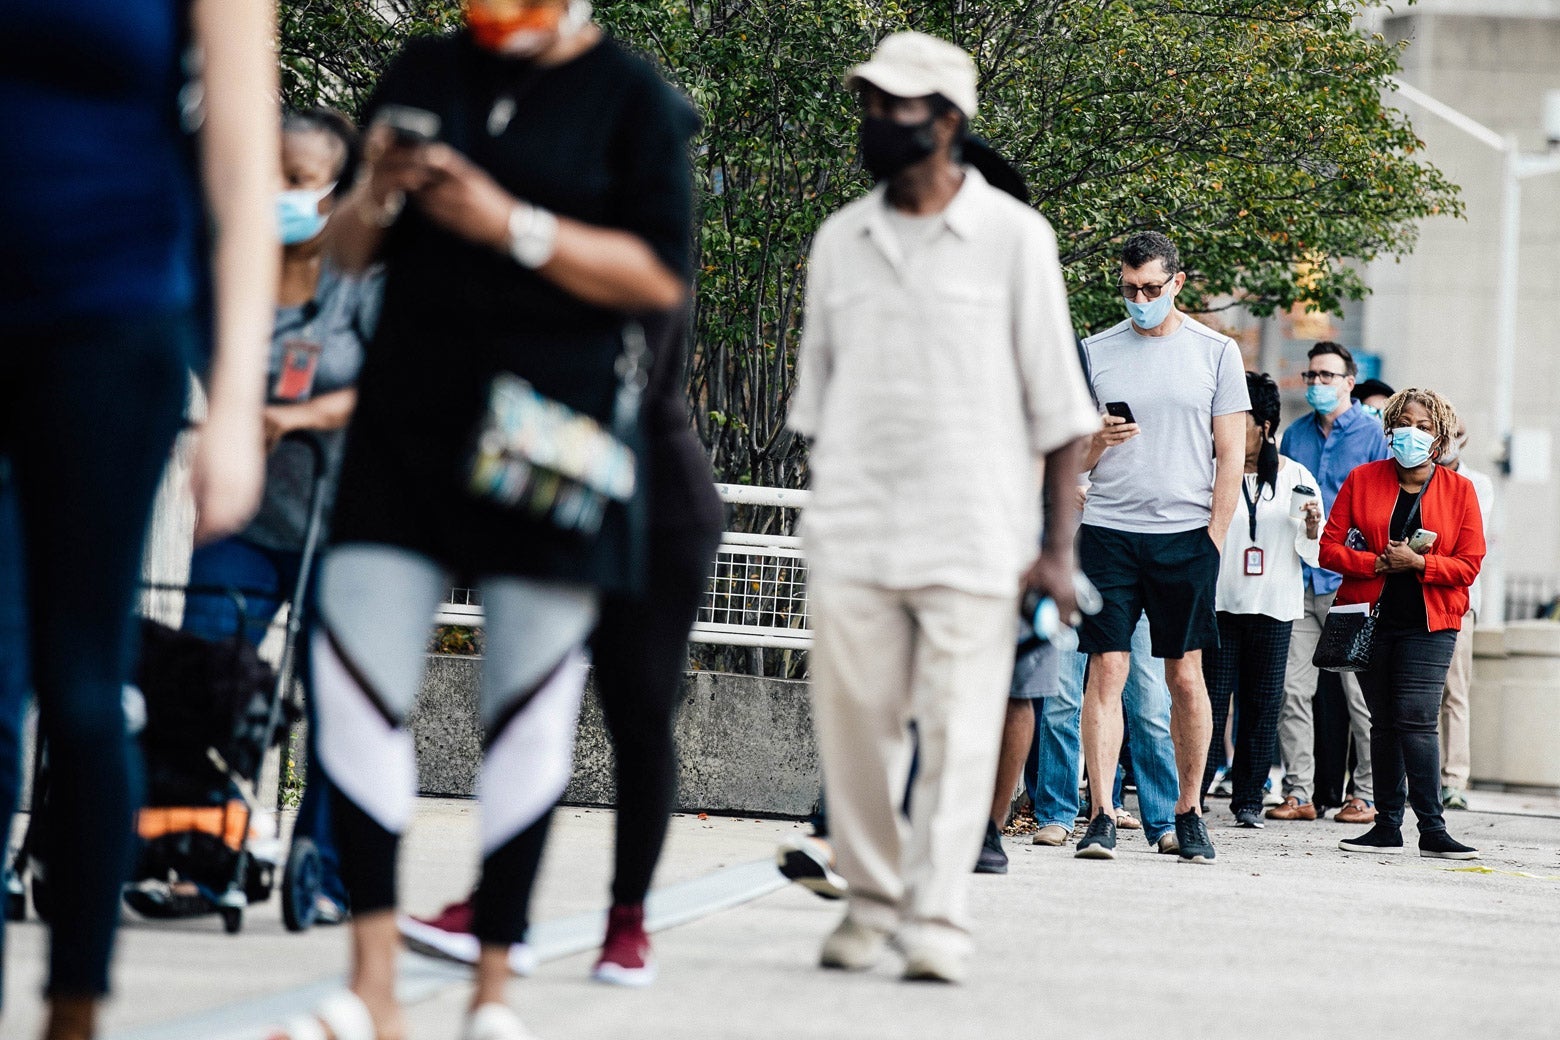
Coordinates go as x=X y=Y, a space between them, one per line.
x=272 y=573
x=1058 y=740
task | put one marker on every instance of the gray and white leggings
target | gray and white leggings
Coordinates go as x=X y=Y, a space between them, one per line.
x=368 y=654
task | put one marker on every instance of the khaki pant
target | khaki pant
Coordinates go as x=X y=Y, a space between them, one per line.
x=1296 y=728
x=1455 y=762
x=881 y=659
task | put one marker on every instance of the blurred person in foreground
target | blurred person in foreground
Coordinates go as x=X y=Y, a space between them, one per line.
x=937 y=368
x=1407 y=535
x=527 y=187
x=103 y=310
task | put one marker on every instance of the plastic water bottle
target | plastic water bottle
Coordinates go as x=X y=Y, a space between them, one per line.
x=1041 y=620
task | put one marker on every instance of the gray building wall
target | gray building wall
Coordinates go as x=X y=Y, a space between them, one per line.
x=1432 y=317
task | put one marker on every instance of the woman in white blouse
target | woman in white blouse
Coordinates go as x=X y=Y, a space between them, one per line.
x=1261 y=594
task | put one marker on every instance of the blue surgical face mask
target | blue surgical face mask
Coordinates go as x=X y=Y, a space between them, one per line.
x=1322 y=398
x=298 y=216
x=1411 y=447
x=1371 y=410
x=1152 y=314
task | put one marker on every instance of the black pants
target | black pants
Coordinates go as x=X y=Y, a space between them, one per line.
x=1333 y=749
x=1248 y=665
x=88 y=413
x=1403 y=690
x=640 y=652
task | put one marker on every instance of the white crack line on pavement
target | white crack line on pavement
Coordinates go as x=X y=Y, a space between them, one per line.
x=423 y=978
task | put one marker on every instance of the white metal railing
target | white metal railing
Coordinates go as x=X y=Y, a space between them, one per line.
x=757 y=594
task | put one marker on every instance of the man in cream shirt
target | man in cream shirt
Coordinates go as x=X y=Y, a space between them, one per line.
x=937 y=370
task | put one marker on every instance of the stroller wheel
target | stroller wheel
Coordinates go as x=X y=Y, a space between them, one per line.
x=300 y=887
x=232 y=920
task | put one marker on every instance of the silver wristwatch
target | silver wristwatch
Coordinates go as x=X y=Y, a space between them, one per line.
x=533 y=235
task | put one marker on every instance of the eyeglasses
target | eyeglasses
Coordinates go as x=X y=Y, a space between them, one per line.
x=1150 y=292
x=1322 y=377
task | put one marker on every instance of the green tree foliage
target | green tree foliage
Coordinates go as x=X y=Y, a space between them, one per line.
x=1252 y=131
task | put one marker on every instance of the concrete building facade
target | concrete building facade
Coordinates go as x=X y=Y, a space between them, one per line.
x=1432 y=318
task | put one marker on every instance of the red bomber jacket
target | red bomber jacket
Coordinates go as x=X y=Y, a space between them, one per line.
x=1449 y=508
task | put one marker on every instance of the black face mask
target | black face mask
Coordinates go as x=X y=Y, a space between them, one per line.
x=888 y=147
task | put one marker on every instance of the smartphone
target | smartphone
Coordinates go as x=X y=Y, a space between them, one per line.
x=411 y=126
x=1421 y=540
x=1120 y=410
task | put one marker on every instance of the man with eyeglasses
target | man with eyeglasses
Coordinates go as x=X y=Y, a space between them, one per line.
x=1335 y=437
x=1166 y=474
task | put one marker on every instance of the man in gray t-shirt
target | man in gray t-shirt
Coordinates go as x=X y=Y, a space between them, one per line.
x=1165 y=475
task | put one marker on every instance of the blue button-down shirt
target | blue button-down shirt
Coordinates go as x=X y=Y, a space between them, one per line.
x=1356 y=438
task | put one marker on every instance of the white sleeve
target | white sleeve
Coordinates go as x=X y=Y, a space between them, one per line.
x=1057 y=405
x=814 y=358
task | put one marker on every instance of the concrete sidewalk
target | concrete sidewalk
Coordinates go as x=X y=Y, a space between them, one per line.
x=1284 y=937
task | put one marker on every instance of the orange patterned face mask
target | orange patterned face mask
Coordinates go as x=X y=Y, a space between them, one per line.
x=494 y=23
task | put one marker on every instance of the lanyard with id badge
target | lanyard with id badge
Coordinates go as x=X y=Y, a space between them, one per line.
x=1253 y=557
x=300 y=361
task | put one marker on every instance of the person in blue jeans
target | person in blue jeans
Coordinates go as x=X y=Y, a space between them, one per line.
x=1054 y=781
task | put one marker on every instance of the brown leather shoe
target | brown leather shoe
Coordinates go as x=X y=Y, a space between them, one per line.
x=1292 y=809
x=1356 y=811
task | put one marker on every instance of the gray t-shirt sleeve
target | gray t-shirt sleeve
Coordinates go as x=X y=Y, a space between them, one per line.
x=1229 y=393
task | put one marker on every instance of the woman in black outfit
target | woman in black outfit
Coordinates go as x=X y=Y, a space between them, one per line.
x=554 y=205
x=640 y=652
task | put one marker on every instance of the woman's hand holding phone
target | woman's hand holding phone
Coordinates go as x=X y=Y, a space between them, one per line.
x=461 y=197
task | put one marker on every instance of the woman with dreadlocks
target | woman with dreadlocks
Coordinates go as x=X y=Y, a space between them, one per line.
x=1408 y=538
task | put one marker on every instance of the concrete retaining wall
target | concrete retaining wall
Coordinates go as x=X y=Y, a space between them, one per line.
x=745 y=744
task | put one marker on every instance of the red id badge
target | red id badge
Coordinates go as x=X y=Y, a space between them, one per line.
x=300 y=361
x=1253 y=562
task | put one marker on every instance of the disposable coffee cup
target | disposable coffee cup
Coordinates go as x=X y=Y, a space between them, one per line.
x=1298 y=498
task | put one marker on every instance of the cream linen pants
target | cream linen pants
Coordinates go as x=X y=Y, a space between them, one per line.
x=882 y=659
x=1455 y=763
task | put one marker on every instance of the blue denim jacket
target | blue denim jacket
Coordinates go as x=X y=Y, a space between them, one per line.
x=1356 y=438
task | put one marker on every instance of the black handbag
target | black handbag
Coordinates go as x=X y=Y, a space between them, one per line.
x=1348 y=640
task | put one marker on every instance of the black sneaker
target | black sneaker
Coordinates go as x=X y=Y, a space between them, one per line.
x=1099 y=841
x=1192 y=833
x=1383 y=837
x=1251 y=818
x=992 y=859
x=1441 y=845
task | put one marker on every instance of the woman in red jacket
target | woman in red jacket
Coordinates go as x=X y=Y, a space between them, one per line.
x=1376 y=537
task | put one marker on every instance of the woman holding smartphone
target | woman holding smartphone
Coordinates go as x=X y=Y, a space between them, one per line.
x=1408 y=538
x=553 y=207
x=1261 y=594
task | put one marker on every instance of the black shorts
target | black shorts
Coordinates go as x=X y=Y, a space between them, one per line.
x=1173 y=577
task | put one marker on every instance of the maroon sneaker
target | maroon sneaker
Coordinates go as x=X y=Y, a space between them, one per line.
x=625 y=953
x=448 y=935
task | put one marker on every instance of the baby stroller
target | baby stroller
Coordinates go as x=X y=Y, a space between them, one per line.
x=207 y=713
